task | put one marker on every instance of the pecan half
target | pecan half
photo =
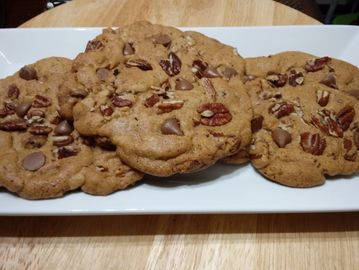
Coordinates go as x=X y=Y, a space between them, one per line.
x=5 y=112
x=322 y=97
x=139 y=63
x=327 y=125
x=312 y=143
x=13 y=125
x=172 y=65
x=41 y=102
x=295 y=78
x=281 y=109
x=277 y=79
x=117 y=101
x=13 y=91
x=152 y=100
x=313 y=65
x=219 y=115
x=40 y=130
x=345 y=117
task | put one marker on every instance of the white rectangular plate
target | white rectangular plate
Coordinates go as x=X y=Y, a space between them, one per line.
x=219 y=189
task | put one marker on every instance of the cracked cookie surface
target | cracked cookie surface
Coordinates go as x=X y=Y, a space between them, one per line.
x=42 y=155
x=305 y=123
x=171 y=101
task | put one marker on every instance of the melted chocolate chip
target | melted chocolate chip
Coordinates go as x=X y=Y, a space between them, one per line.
x=171 y=126
x=183 y=84
x=22 y=108
x=64 y=128
x=28 y=73
x=33 y=161
x=163 y=39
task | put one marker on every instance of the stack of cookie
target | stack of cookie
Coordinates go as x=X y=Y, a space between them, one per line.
x=150 y=99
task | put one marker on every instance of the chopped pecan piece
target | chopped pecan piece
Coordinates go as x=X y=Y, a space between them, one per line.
x=169 y=106
x=128 y=49
x=322 y=97
x=312 y=143
x=256 y=123
x=172 y=65
x=139 y=63
x=65 y=152
x=198 y=66
x=313 y=65
x=345 y=117
x=152 y=100
x=117 y=101
x=281 y=109
x=220 y=116
x=277 y=79
x=34 y=141
x=295 y=78
x=106 y=110
x=5 y=112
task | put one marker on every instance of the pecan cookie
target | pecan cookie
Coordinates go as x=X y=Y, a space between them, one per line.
x=171 y=101
x=303 y=128
x=42 y=155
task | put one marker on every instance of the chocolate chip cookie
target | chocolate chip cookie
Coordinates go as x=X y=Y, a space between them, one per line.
x=306 y=122
x=42 y=155
x=171 y=101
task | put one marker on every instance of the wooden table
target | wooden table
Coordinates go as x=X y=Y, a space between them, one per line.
x=272 y=241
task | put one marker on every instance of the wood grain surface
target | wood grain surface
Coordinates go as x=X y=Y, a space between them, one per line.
x=258 y=241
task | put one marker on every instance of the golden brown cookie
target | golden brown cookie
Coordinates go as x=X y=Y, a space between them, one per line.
x=42 y=155
x=305 y=127
x=171 y=101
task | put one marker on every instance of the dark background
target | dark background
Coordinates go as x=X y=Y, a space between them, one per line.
x=15 y=12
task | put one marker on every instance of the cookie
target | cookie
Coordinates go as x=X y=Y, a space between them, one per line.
x=171 y=101
x=304 y=128
x=42 y=155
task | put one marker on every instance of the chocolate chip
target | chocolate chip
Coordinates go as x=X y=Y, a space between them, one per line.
x=229 y=72
x=329 y=80
x=13 y=91
x=128 y=49
x=210 y=72
x=28 y=73
x=102 y=74
x=64 y=128
x=33 y=161
x=356 y=139
x=171 y=126
x=256 y=123
x=163 y=39
x=281 y=137
x=22 y=108
x=172 y=65
x=354 y=93
x=183 y=84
